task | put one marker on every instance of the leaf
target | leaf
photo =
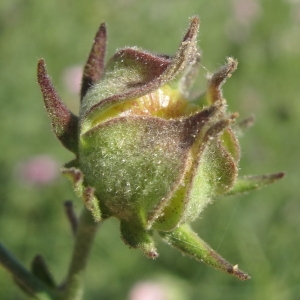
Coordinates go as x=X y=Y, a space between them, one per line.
x=188 y=242
x=40 y=269
x=254 y=182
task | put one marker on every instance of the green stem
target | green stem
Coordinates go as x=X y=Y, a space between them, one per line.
x=84 y=238
x=24 y=278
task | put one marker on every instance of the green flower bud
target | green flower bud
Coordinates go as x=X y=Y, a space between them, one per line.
x=145 y=153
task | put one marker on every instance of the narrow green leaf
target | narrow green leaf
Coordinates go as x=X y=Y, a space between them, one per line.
x=249 y=183
x=188 y=242
x=40 y=269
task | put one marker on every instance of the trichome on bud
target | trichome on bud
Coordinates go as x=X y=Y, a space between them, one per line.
x=144 y=152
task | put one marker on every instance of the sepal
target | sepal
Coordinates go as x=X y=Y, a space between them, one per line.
x=248 y=183
x=86 y=193
x=64 y=122
x=94 y=67
x=215 y=81
x=136 y=237
x=189 y=243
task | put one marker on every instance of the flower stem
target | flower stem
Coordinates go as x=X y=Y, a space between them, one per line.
x=84 y=238
x=26 y=280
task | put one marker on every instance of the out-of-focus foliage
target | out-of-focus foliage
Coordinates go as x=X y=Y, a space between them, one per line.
x=260 y=231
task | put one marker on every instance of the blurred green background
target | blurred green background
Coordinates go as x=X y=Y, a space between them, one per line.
x=260 y=230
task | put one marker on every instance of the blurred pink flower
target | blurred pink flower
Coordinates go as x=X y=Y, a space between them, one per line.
x=148 y=290
x=72 y=78
x=246 y=11
x=39 y=170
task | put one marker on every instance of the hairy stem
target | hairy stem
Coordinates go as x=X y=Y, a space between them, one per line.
x=26 y=280
x=84 y=238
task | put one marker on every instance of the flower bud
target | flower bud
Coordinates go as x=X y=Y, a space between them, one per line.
x=145 y=153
